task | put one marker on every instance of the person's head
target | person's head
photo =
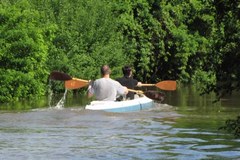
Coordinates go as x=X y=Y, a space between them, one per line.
x=105 y=70
x=127 y=71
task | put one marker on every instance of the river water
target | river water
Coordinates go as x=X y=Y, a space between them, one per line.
x=184 y=126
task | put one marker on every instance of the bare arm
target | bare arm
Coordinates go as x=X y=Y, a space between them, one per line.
x=125 y=90
x=89 y=95
x=90 y=90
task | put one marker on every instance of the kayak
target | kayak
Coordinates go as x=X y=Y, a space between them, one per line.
x=122 y=106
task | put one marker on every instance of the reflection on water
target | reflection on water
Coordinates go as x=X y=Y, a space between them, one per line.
x=183 y=128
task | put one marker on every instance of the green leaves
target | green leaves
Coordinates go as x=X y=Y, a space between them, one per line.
x=190 y=41
x=16 y=85
x=86 y=38
x=23 y=53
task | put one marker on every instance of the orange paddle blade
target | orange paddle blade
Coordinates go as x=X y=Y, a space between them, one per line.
x=75 y=83
x=169 y=85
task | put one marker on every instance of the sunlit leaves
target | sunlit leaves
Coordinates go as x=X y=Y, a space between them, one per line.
x=23 y=53
x=87 y=38
x=191 y=41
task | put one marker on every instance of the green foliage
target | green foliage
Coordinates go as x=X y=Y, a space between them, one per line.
x=226 y=55
x=138 y=28
x=23 y=53
x=187 y=49
x=164 y=38
x=190 y=41
x=86 y=38
x=16 y=85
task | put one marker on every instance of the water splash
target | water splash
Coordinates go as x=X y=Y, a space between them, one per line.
x=50 y=94
x=60 y=104
x=52 y=100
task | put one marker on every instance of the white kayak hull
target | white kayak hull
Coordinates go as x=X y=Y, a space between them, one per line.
x=122 y=106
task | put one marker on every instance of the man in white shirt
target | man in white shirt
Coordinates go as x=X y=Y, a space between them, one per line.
x=105 y=88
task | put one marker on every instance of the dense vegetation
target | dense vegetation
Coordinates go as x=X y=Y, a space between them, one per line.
x=192 y=41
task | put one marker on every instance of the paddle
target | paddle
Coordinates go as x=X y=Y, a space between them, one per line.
x=55 y=75
x=169 y=85
x=75 y=83
x=70 y=82
x=78 y=83
x=155 y=95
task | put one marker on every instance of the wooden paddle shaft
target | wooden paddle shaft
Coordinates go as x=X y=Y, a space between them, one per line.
x=147 y=85
x=136 y=91
x=82 y=80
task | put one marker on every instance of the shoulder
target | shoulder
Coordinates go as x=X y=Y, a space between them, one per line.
x=120 y=78
x=136 y=81
x=114 y=81
x=97 y=81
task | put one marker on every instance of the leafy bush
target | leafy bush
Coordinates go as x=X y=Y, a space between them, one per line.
x=23 y=72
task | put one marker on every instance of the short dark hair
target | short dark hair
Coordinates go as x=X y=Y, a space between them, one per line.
x=126 y=70
x=105 y=70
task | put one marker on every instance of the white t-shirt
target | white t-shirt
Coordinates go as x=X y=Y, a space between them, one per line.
x=106 y=89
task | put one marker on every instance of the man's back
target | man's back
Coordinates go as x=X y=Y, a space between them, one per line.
x=130 y=83
x=106 y=89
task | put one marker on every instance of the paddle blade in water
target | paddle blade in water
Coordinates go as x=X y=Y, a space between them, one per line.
x=155 y=95
x=55 y=75
x=169 y=85
x=75 y=84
